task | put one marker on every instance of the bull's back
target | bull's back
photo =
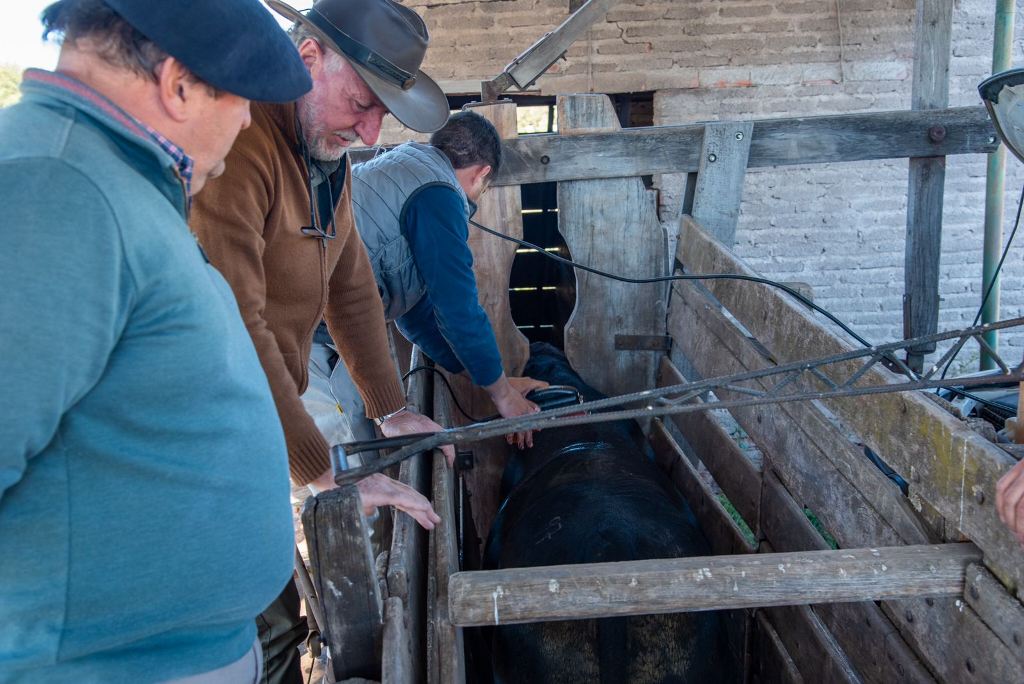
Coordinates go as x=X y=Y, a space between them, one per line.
x=601 y=505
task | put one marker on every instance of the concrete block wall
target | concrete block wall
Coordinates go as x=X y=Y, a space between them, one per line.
x=839 y=227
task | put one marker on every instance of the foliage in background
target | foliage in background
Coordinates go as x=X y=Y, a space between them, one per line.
x=10 y=80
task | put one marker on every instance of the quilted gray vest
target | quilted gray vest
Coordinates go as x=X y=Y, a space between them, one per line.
x=381 y=188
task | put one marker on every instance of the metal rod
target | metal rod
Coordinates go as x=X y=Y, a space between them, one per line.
x=995 y=179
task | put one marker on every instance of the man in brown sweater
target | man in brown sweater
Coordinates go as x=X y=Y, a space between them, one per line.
x=278 y=224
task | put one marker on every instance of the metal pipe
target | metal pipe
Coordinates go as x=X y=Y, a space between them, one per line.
x=1002 y=54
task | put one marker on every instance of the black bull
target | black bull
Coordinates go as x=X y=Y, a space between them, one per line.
x=590 y=494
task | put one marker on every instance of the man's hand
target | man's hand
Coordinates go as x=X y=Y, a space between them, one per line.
x=381 y=490
x=508 y=395
x=525 y=385
x=1010 y=500
x=409 y=422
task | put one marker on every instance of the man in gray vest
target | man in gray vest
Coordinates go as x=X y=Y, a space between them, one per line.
x=412 y=206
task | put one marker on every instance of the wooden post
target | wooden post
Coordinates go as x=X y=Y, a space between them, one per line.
x=612 y=225
x=593 y=590
x=719 y=185
x=346 y=582
x=932 y=30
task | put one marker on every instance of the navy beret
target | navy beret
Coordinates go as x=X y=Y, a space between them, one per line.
x=234 y=45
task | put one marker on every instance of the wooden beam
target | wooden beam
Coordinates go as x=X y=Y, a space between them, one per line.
x=407 y=560
x=943 y=460
x=772 y=663
x=1003 y=613
x=739 y=479
x=591 y=216
x=774 y=142
x=718 y=526
x=571 y=592
x=397 y=660
x=721 y=169
x=933 y=24
x=446 y=654
x=345 y=577
x=866 y=635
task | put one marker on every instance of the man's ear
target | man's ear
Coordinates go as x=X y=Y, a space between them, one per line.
x=484 y=173
x=177 y=89
x=312 y=56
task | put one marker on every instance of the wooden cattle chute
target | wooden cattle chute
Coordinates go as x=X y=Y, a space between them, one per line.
x=961 y=622
x=816 y=627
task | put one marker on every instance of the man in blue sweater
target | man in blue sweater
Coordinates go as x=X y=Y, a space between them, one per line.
x=141 y=459
x=412 y=206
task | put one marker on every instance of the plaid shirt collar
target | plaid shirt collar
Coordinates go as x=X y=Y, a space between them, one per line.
x=183 y=163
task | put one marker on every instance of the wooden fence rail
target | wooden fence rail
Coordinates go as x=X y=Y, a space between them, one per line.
x=570 y=592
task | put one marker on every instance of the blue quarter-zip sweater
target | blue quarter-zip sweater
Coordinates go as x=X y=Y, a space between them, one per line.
x=144 y=513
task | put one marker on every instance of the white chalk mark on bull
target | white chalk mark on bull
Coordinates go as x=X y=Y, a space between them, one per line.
x=499 y=591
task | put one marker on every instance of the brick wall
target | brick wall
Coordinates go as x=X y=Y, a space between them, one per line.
x=839 y=227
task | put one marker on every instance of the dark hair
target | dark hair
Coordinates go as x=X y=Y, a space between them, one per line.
x=469 y=139
x=115 y=41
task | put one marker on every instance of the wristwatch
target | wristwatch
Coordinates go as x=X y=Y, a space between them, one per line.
x=383 y=419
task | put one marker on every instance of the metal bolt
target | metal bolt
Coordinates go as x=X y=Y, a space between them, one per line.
x=979 y=496
x=545 y=159
x=712 y=157
x=975 y=594
x=991 y=140
x=930 y=602
x=969 y=665
x=937 y=134
x=739 y=136
x=909 y=616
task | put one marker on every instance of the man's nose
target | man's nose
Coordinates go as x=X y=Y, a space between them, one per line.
x=368 y=127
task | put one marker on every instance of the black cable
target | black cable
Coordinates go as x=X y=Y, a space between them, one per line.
x=419 y=369
x=689 y=276
x=992 y=283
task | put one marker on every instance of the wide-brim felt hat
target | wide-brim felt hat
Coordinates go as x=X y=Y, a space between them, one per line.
x=234 y=45
x=385 y=42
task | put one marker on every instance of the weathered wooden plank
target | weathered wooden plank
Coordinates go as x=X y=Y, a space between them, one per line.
x=446 y=661
x=591 y=590
x=739 y=479
x=933 y=23
x=771 y=664
x=1003 y=613
x=873 y=644
x=408 y=541
x=590 y=217
x=346 y=581
x=500 y=207
x=832 y=476
x=811 y=646
x=407 y=560
x=397 y=659
x=718 y=526
x=720 y=172
x=538 y=57
x=957 y=645
x=774 y=142
x=945 y=462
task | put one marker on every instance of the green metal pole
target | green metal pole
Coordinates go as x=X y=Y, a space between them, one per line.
x=1002 y=53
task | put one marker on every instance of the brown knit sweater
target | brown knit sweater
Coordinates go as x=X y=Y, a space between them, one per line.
x=248 y=222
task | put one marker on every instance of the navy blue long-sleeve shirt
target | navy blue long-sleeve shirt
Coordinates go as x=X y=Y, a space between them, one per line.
x=448 y=323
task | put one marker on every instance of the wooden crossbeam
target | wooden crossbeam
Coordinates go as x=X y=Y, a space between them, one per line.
x=572 y=592
x=774 y=142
